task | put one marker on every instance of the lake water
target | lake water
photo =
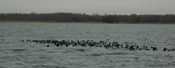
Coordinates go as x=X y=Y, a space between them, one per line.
x=17 y=54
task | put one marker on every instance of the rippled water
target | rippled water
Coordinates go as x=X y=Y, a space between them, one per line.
x=16 y=54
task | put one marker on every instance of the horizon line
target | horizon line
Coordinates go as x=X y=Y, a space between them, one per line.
x=96 y=13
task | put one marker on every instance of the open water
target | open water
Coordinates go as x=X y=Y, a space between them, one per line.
x=17 y=54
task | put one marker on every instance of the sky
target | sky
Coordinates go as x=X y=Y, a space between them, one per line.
x=89 y=6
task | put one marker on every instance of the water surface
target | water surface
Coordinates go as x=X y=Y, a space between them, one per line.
x=16 y=54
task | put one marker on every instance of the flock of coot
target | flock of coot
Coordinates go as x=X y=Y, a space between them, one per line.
x=91 y=43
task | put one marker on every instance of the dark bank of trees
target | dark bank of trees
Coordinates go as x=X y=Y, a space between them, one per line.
x=76 y=17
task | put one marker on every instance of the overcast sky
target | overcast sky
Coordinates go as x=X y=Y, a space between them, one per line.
x=89 y=6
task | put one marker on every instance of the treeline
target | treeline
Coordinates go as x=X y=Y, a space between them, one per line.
x=76 y=17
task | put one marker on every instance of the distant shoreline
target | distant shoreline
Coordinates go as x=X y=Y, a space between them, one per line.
x=45 y=21
x=82 y=22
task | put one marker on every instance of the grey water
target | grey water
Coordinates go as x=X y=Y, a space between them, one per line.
x=16 y=54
